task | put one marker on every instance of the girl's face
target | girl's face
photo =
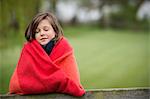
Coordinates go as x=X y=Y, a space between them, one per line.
x=44 y=32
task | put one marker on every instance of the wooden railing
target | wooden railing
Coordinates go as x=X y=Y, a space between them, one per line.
x=118 y=93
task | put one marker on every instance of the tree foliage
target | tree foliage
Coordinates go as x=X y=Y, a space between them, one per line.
x=16 y=14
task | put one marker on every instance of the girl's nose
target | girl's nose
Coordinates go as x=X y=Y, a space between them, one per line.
x=42 y=33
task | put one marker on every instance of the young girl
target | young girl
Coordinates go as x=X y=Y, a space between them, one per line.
x=47 y=63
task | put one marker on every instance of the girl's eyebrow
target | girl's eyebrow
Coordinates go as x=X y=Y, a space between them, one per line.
x=45 y=26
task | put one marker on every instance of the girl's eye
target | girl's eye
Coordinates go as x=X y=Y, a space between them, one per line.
x=46 y=28
x=36 y=32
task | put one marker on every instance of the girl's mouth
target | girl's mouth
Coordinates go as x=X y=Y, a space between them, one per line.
x=43 y=38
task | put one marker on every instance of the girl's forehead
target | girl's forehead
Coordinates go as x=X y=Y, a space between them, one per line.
x=44 y=22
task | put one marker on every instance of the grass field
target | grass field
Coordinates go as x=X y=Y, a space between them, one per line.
x=106 y=58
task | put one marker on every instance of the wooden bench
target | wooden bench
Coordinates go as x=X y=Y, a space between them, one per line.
x=117 y=93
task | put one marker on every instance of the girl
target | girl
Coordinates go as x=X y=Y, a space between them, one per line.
x=47 y=63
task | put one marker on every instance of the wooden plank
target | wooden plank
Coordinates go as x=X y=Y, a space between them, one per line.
x=117 y=93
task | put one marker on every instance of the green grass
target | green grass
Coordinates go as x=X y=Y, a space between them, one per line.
x=106 y=58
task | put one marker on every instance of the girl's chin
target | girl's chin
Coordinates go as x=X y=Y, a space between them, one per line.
x=44 y=43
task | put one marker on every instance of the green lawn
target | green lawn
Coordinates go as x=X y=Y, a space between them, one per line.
x=106 y=58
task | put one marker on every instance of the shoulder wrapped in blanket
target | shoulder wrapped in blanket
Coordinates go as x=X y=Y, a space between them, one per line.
x=37 y=73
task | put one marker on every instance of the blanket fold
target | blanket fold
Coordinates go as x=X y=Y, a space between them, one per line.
x=37 y=73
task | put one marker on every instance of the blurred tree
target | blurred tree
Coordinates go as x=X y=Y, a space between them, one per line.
x=53 y=3
x=48 y=5
x=126 y=17
x=15 y=14
x=0 y=16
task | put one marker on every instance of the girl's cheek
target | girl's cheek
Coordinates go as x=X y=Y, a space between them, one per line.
x=36 y=36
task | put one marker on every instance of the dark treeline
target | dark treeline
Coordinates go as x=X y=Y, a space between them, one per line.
x=16 y=14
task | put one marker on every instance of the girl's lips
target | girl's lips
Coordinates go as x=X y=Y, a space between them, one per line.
x=43 y=38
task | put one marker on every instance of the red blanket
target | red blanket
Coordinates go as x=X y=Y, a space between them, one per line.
x=36 y=72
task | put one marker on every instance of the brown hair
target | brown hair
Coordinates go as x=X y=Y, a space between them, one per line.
x=31 y=29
